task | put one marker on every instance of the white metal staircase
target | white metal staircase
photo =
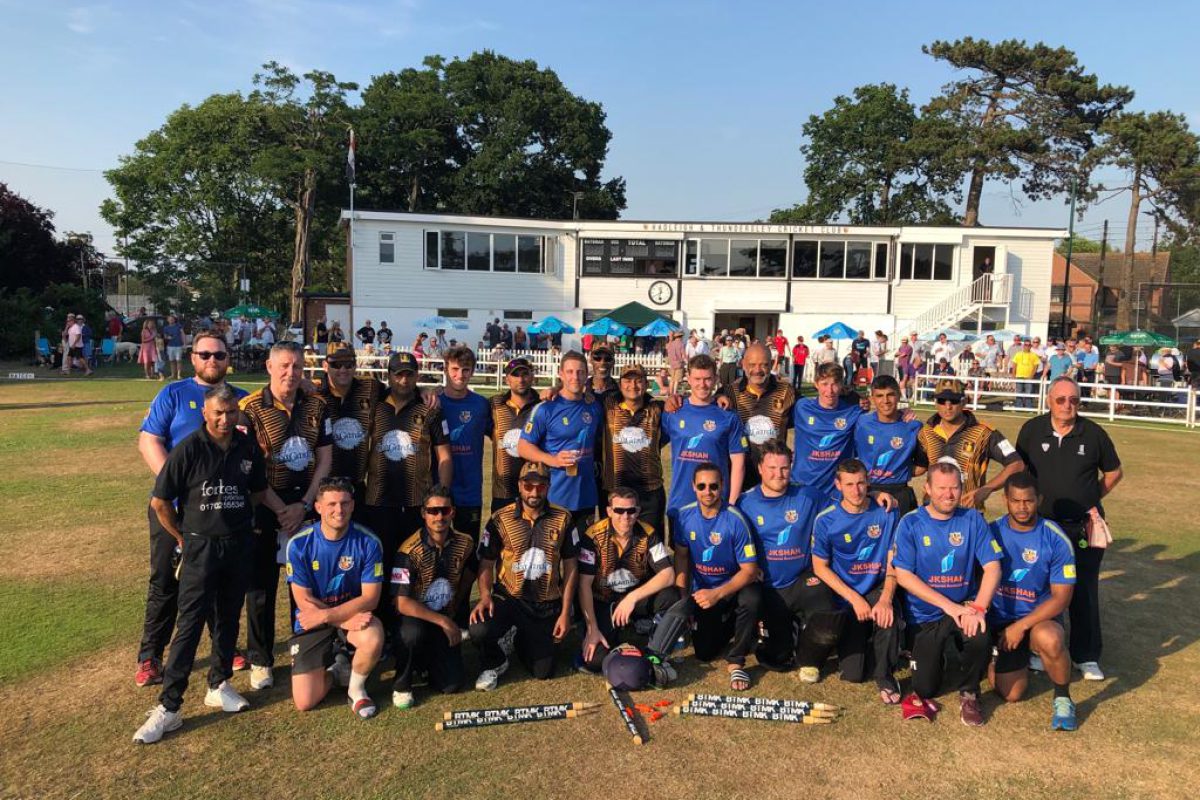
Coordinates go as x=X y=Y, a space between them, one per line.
x=987 y=291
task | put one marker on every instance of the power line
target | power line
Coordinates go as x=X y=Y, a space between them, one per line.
x=49 y=166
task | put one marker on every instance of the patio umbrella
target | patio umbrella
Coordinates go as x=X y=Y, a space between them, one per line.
x=437 y=321
x=952 y=335
x=250 y=310
x=838 y=330
x=1138 y=338
x=659 y=327
x=551 y=325
x=604 y=327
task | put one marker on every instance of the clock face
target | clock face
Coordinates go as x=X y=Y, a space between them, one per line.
x=660 y=293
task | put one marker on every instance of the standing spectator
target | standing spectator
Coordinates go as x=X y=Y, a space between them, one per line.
x=418 y=345
x=115 y=328
x=173 y=337
x=336 y=334
x=1060 y=363
x=692 y=348
x=493 y=332
x=366 y=334
x=904 y=366
x=86 y=342
x=148 y=355
x=920 y=356
x=266 y=333
x=321 y=336
x=988 y=354
x=703 y=345
x=826 y=354
x=1013 y=349
x=799 y=360
x=520 y=341
x=1024 y=368
x=383 y=336
x=1167 y=367
x=730 y=356
x=65 y=343
x=860 y=346
x=942 y=349
x=879 y=350
x=782 y=362
x=1193 y=364
x=676 y=358
x=1087 y=359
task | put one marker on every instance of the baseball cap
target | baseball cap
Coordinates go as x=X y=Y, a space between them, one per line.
x=400 y=362
x=633 y=369
x=340 y=352
x=949 y=389
x=602 y=347
x=516 y=364
x=533 y=471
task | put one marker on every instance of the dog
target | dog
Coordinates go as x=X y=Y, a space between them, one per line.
x=126 y=351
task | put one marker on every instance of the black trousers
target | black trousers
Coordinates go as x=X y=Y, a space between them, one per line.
x=906 y=498
x=929 y=642
x=212 y=585
x=162 y=593
x=808 y=605
x=646 y=608
x=535 y=635
x=866 y=649
x=261 y=588
x=392 y=525
x=1085 y=641
x=467 y=519
x=424 y=644
x=733 y=622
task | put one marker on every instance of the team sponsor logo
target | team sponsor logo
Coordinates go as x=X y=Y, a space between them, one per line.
x=682 y=424
x=707 y=554
x=714 y=537
x=295 y=454
x=996 y=546
x=316 y=565
x=397 y=445
x=782 y=538
x=631 y=439
x=348 y=433
x=1045 y=447
x=1006 y=448
x=791 y=515
x=438 y=595
x=587 y=557
x=864 y=553
x=566 y=420
x=812 y=420
x=925 y=541
x=955 y=538
x=378 y=569
x=1029 y=555
x=760 y=429
x=1069 y=571
x=897 y=442
x=289 y=569
x=947 y=562
x=400 y=576
x=840 y=423
x=246 y=466
x=529 y=427
x=345 y=563
x=532 y=564
x=870 y=438
x=1017 y=575
x=748 y=551
x=710 y=425
x=295 y=650
x=509 y=442
x=874 y=531
x=694 y=441
x=621 y=581
x=586 y=416
x=464 y=416
x=1081 y=451
x=759 y=519
x=659 y=552
x=848 y=538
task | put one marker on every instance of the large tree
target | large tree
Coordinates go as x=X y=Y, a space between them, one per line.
x=30 y=255
x=1026 y=113
x=872 y=159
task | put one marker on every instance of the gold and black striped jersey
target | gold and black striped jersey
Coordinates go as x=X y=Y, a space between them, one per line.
x=620 y=570
x=973 y=445
x=631 y=455
x=507 y=421
x=402 y=459
x=765 y=416
x=289 y=440
x=529 y=555
x=431 y=574
x=350 y=426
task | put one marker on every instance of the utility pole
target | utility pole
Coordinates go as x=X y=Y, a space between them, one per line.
x=1098 y=300
x=1065 y=330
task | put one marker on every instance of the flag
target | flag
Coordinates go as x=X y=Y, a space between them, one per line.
x=350 y=158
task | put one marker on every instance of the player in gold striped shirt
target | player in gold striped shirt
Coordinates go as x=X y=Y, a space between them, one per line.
x=632 y=451
x=510 y=412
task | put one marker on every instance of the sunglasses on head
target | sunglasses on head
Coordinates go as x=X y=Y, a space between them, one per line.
x=438 y=511
x=626 y=510
x=703 y=487
x=205 y=355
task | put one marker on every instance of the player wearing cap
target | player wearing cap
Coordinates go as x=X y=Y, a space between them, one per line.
x=432 y=571
x=335 y=569
x=763 y=403
x=632 y=451
x=292 y=428
x=1037 y=579
x=469 y=417
x=625 y=574
x=939 y=548
x=852 y=553
x=781 y=517
x=527 y=579
x=954 y=432
x=887 y=444
x=716 y=566
x=175 y=413
x=351 y=404
x=601 y=382
x=510 y=412
x=824 y=429
x=563 y=434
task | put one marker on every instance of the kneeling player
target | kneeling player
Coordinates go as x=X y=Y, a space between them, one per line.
x=714 y=551
x=1036 y=584
x=432 y=572
x=938 y=548
x=851 y=553
x=335 y=568
x=625 y=574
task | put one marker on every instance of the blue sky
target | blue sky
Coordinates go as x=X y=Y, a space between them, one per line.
x=705 y=99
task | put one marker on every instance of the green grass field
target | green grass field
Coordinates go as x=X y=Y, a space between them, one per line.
x=73 y=553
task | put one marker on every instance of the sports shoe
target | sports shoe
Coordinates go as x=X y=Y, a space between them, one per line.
x=240 y=662
x=490 y=678
x=1035 y=663
x=968 y=709
x=341 y=670
x=158 y=722
x=508 y=641
x=810 y=675
x=664 y=673
x=643 y=626
x=1091 y=671
x=402 y=699
x=261 y=677
x=913 y=707
x=1064 y=715
x=149 y=672
x=226 y=698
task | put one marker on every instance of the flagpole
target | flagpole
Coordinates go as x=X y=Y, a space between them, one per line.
x=353 y=175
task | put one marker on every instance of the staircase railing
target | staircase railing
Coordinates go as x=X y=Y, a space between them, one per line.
x=986 y=290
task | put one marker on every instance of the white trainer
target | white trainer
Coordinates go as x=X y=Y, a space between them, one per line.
x=261 y=677
x=1091 y=671
x=1035 y=664
x=402 y=699
x=490 y=678
x=226 y=698
x=159 y=721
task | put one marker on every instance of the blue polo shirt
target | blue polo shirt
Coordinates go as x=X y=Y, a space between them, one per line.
x=333 y=572
x=886 y=448
x=855 y=545
x=944 y=554
x=823 y=438
x=1030 y=562
x=717 y=547
x=782 y=528
x=561 y=424
x=1059 y=365
x=177 y=411
x=469 y=419
x=698 y=434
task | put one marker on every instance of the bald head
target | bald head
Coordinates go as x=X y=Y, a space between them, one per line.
x=757 y=364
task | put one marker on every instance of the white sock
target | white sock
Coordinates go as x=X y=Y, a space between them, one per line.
x=358 y=686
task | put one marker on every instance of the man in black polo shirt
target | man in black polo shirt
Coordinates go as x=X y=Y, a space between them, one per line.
x=1075 y=464
x=217 y=475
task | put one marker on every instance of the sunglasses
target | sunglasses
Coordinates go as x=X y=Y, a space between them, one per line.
x=400 y=372
x=946 y=401
x=530 y=486
x=602 y=358
x=205 y=355
x=628 y=510
x=439 y=511
x=704 y=487
x=341 y=365
x=1062 y=401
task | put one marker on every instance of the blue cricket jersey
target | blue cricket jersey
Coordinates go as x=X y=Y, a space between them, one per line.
x=1030 y=562
x=782 y=528
x=855 y=545
x=717 y=547
x=886 y=448
x=824 y=436
x=561 y=424
x=333 y=572
x=698 y=434
x=469 y=420
x=177 y=411
x=943 y=554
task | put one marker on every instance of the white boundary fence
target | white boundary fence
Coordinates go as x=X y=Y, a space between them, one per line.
x=1167 y=404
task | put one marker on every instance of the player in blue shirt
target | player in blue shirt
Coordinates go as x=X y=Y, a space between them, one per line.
x=1037 y=580
x=175 y=413
x=852 y=554
x=824 y=430
x=781 y=516
x=335 y=568
x=469 y=418
x=563 y=433
x=887 y=444
x=701 y=432
x=716 y=555
x=938 y=549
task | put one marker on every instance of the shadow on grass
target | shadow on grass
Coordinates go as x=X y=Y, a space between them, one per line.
x=40 y=406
